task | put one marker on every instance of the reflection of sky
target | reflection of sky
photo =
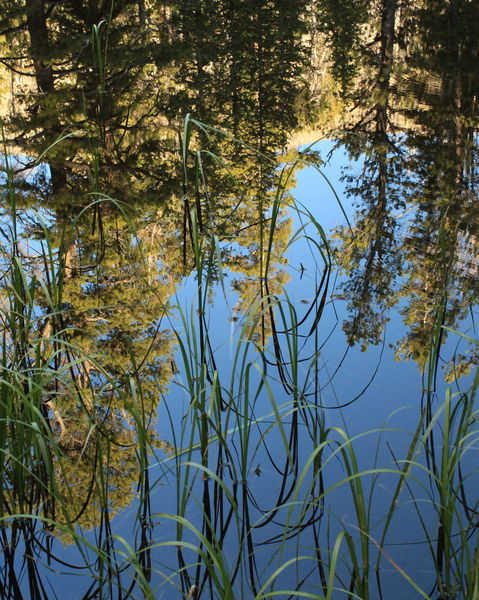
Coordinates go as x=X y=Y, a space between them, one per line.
x=392 y=399
x=389 y=391
x=314 y=191
x=315 y=194
x=358 y=367
x=393 y=391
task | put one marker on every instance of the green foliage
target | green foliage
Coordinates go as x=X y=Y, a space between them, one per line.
x=343 y=23
x=95 y=337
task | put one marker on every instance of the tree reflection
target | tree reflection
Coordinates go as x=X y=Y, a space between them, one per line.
x=130 y=196
x=106 y=87
x=426 y=172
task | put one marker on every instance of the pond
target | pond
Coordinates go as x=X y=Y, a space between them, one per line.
x=239 y=283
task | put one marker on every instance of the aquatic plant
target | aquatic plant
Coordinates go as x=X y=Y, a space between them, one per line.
x=257 y=494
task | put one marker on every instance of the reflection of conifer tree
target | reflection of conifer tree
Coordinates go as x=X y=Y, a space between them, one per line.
x=443 y=167
x=250 y=260
x=95 y=78
x=430 y=169
x=247 y=59
x=368 y=250
x=244 y=76
x=342 y=23
x=115 y=295
x=118 y=292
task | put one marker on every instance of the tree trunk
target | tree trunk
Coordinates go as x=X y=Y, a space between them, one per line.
x=39 y=45
x=39 y=51
x=388 y=18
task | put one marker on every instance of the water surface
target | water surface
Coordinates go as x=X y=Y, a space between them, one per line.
x=239 y=281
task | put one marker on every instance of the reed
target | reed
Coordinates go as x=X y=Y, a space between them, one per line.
x=252 y=421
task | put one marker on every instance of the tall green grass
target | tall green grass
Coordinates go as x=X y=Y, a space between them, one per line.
x=253 y=421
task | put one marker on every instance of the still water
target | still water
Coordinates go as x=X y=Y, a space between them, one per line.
x=238 y=296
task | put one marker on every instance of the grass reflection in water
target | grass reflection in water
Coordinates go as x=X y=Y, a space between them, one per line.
x=256 y=494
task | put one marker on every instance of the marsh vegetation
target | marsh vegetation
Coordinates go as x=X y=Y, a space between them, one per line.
x=234 y=365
